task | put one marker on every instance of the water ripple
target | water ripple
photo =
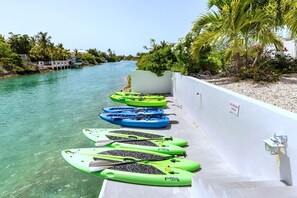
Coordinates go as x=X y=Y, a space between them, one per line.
x=44 y=114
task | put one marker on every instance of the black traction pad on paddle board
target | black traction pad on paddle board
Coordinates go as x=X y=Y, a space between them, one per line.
x=134 y=154
x=139 y=168
x=140 y=143
x=133 y=167
x=140 y=134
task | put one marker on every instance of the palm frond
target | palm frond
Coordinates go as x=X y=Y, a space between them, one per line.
x=207 y=38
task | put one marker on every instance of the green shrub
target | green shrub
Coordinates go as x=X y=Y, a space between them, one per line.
x=265 y=72
x=245 y=73
x=157 y=60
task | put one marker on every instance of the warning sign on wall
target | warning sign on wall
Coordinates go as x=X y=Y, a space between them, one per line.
x=234 y=107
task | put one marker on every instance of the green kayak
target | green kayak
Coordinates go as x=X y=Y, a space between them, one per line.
x=96 y=133
x=150 y=169
x=140 y=102
x=137 y=95
x=148 y=144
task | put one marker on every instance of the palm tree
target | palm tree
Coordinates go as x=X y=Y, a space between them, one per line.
x=290 y=19
x=232 y=25
x=44 y=41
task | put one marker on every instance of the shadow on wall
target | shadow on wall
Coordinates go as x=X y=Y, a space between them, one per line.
x=285 y=169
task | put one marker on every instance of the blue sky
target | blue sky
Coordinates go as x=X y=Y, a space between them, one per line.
x=124 y=26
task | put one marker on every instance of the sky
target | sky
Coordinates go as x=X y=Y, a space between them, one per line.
x=124 y=26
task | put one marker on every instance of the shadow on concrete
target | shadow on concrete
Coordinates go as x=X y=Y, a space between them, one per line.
x=167 y=114
x=173 y=122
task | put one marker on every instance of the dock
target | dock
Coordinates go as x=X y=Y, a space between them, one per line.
x=58 y=64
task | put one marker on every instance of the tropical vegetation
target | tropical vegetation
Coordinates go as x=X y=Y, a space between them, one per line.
x=235 y=37
x=20 y=53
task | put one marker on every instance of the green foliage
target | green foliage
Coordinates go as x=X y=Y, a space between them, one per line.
x=266 y=73
x=111 y=56
x=59 y=52
x=130 y=58
x=234 y=26
x=210 y=61
x=5 y=50
x=290 y=19
x=186 y=63
x=159 y=58
x=88 y=58
x=40 y=47
x=279 y=61
x=270 y=68
x=178 y=58
x=12 y=63
x=94 y=56
x=177 y=67
x=8 y=60
x=20 y=44
x=263 y=73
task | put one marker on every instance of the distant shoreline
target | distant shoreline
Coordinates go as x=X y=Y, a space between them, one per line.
x=4 y=76
x=12 y=75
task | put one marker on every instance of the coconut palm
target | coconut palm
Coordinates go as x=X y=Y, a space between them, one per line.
x=44 y=41
x=290 y=19
x=233 y=25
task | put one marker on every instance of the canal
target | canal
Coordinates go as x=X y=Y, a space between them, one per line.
x=42 y=114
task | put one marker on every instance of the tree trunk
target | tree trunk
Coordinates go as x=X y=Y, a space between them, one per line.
x=238 y=63
x=246 y=51
x=257 y=59
x=237 y=54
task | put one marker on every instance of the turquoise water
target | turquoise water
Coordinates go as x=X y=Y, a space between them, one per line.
x=40 y=115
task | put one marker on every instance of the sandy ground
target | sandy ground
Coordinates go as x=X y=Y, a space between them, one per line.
x=282 y=94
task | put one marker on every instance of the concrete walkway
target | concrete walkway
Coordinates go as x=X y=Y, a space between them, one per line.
x=199 y=149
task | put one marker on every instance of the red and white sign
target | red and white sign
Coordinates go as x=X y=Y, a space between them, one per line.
x=234 y=107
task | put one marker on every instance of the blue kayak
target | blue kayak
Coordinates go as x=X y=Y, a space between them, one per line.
x=134 y=110
x=139 y=120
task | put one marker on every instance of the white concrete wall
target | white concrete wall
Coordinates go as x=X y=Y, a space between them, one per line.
x=239 y=139
x=291 y=47
x=148 y=82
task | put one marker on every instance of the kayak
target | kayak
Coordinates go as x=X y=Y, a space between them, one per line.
x=134 y=110
x=136 y=94
x=140 y=102
x=148 y=144
x=141 y=121
x=154 y=170
x=94 y=134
